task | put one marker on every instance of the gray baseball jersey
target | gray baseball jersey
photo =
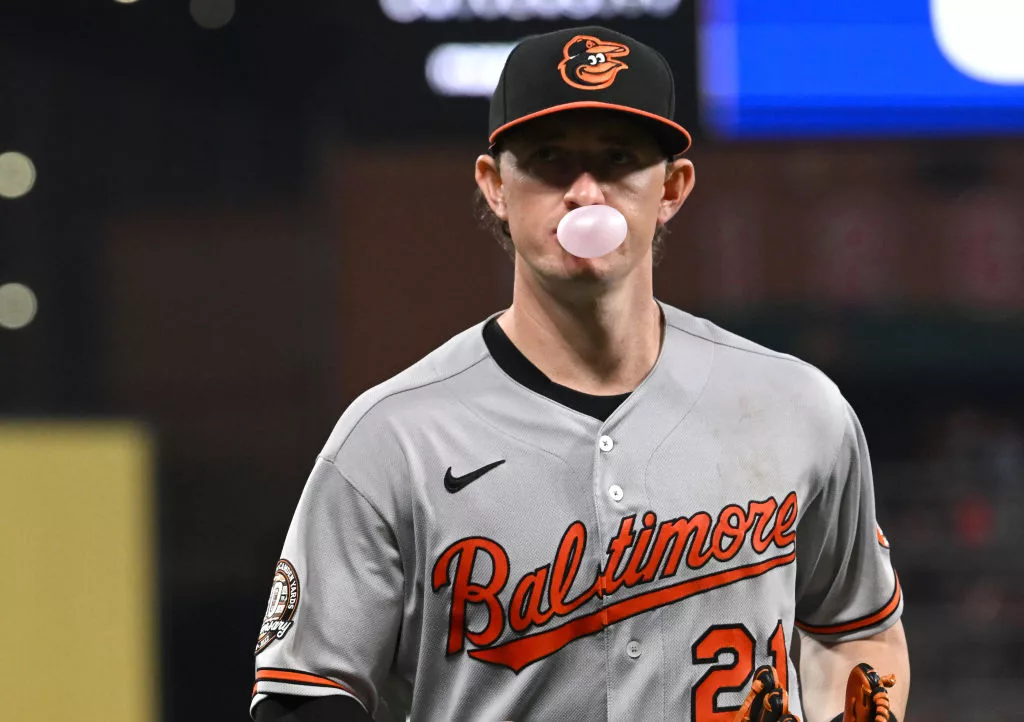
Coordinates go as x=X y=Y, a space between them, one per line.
x=475 y=550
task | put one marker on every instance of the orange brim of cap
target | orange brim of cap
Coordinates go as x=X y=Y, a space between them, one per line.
x=594 y=104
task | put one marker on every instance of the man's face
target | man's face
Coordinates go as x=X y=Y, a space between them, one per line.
x=560 y=162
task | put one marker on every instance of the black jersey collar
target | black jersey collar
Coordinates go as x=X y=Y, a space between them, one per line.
x=512 y=361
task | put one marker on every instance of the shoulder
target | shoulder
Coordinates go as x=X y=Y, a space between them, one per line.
x=727 y=341
x=400 y=396
x=742 y=366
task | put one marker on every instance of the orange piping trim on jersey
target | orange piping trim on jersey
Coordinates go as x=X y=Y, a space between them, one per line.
x=593 y=104
x=862 y=622
x=283 y=675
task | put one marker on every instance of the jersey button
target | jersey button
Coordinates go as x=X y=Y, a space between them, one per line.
x=633 y=649
x=615 y=492
x=605 y=443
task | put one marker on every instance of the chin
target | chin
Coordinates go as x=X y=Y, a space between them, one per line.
x=557 y=266
x=589 y=271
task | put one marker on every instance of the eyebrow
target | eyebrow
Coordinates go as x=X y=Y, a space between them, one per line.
x=618 y=139
x=547 y=137
x=614 y=138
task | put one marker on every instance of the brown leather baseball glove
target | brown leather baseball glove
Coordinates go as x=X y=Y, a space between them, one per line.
x=766 y=701
x=867 y=698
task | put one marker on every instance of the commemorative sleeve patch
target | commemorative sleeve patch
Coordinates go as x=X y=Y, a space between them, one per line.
x=284 y=600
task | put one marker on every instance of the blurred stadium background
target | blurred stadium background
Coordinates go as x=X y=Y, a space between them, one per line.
x=220 y=222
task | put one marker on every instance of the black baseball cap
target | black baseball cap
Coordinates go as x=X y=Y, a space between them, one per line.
x=587 y=67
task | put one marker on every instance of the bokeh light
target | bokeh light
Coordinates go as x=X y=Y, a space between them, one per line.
x=469 y=69
x=409 y=11
x=17 y=306
x=17 y=174
x=212 y=14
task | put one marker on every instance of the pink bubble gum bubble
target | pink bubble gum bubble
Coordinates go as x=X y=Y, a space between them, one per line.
x=591 y=231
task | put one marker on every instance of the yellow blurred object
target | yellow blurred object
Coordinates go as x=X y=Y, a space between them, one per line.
x=79 y=599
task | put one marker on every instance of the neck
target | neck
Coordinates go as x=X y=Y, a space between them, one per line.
x=602 y=342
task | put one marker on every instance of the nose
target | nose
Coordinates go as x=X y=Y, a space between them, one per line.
x=584 y=191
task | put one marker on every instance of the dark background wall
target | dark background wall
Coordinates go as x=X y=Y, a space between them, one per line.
x=226 y=245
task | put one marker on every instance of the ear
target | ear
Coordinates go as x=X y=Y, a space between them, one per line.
x=488 y=180
x=679 y=180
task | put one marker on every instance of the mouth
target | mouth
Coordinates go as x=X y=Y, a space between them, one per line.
x=578 y=262
x=600 y=73
x=601 y=68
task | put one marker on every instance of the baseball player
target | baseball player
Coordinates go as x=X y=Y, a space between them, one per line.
x=590 y=505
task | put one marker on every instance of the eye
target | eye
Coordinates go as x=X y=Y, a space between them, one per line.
x=621 y=156
x=596 y=59
x=546 y=154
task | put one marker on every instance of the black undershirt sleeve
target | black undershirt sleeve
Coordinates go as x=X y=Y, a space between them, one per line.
x=289 y=708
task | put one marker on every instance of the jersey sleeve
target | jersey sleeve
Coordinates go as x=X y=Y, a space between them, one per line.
x=846 y=585
x=335 y=608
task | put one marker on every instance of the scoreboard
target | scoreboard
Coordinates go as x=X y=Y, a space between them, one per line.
x=806 y=68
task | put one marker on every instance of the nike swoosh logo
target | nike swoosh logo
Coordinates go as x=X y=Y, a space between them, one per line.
x=458 y=483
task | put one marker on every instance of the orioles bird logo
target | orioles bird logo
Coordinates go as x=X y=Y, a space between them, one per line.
x=591 y=64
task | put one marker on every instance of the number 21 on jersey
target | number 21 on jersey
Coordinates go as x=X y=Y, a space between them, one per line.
x=735 y=641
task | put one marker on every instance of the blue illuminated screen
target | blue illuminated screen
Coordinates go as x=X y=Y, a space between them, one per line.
x=804 y=68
